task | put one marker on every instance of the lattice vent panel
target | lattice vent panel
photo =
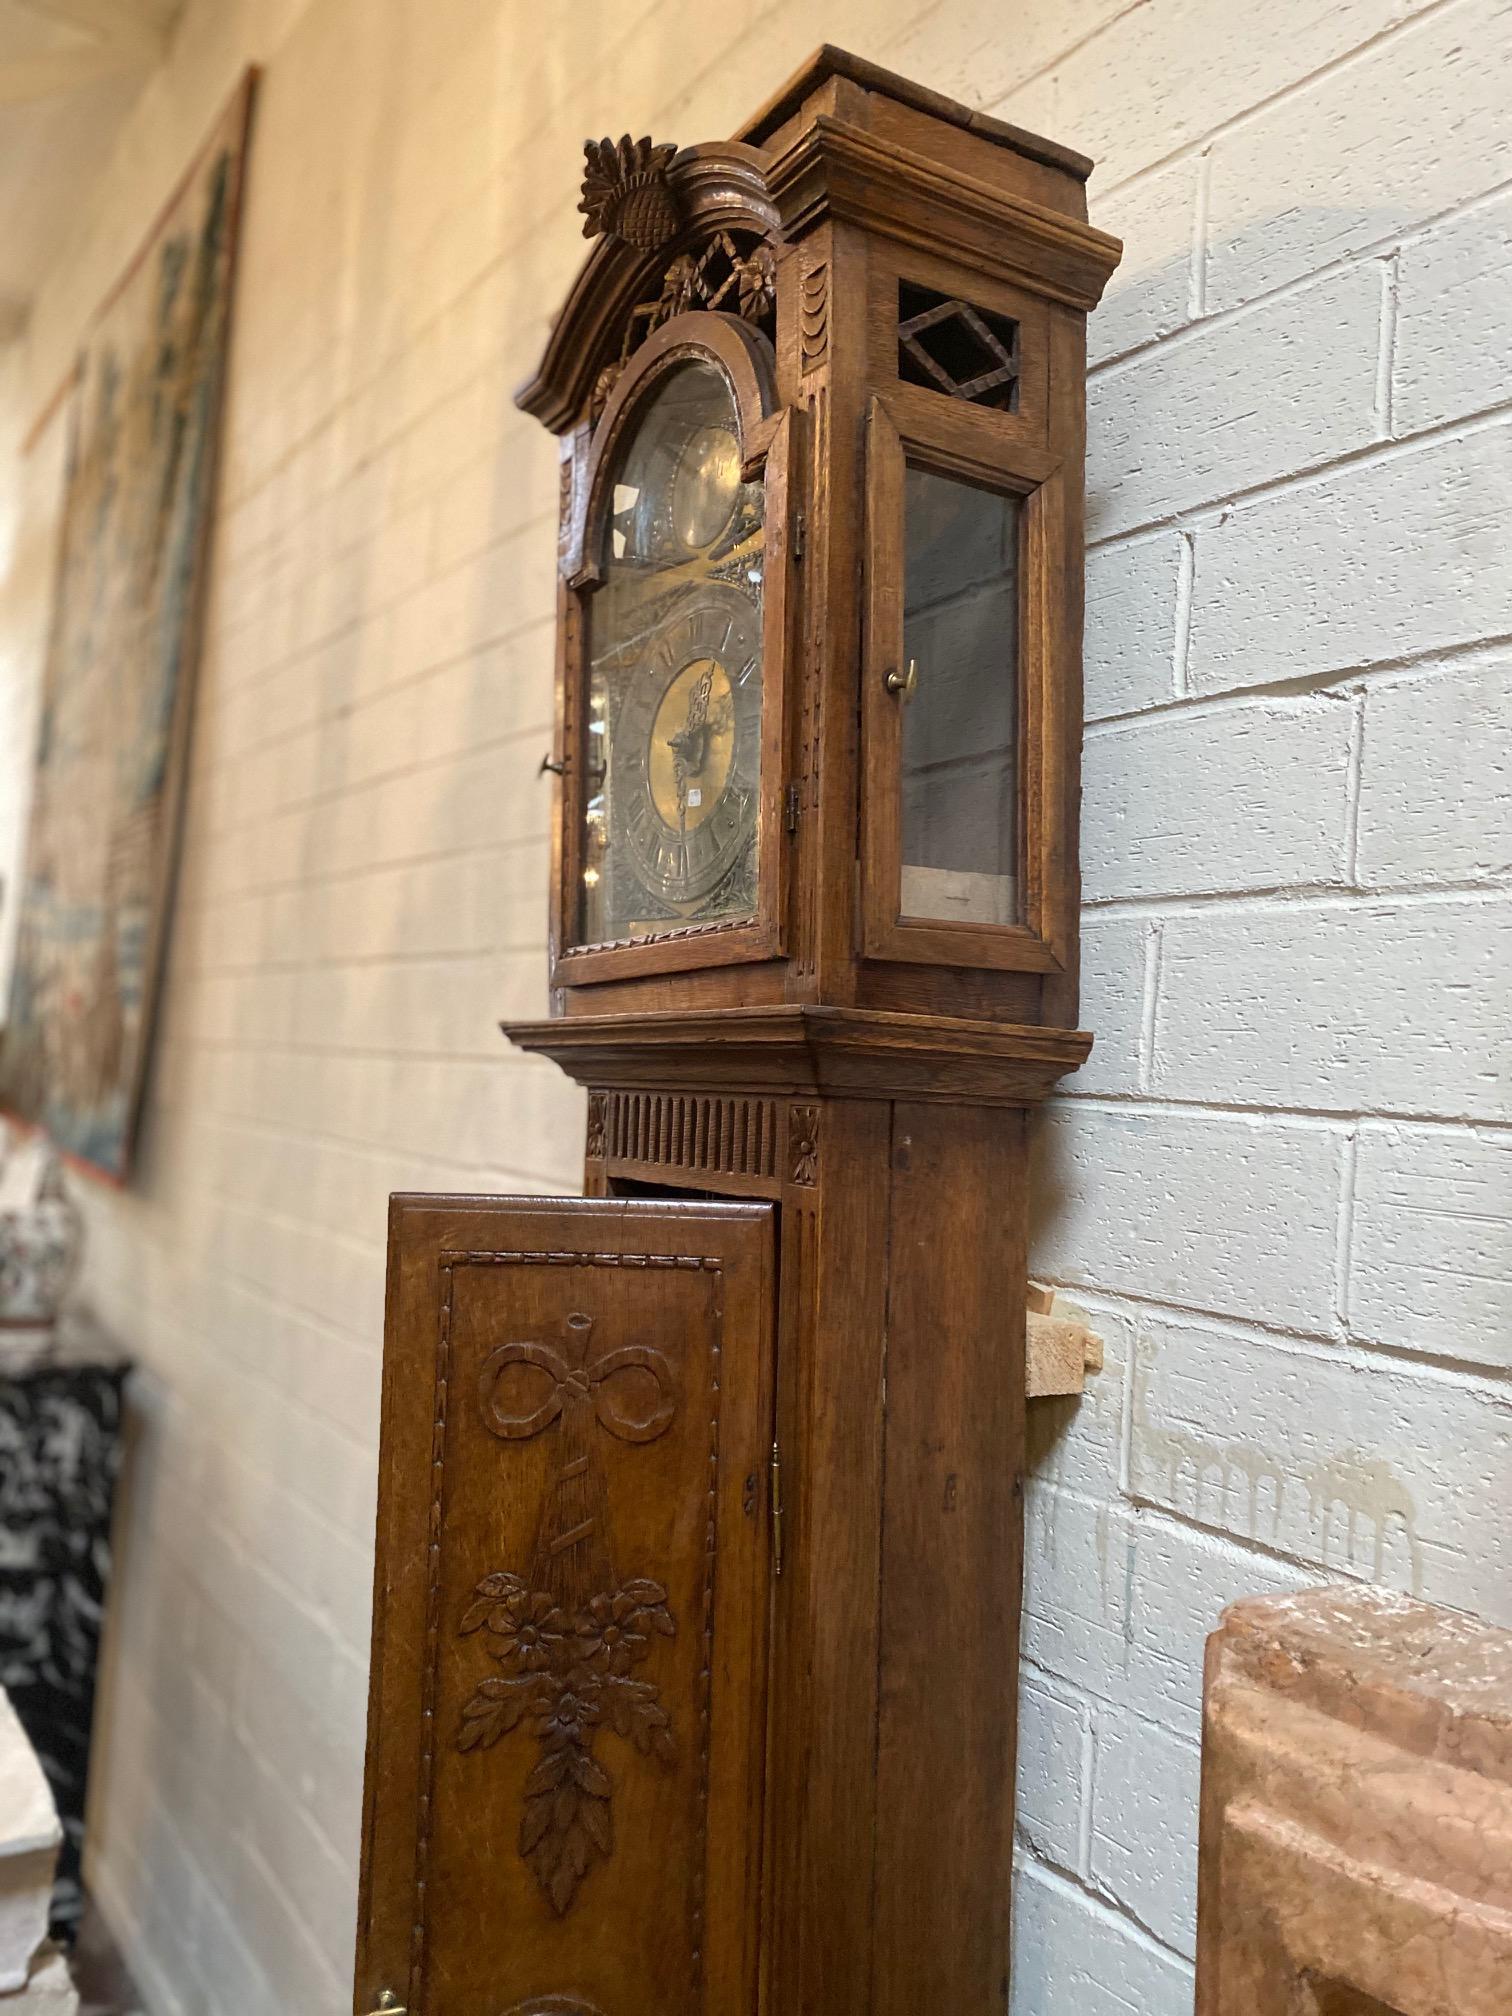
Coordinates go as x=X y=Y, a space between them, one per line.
x=950 y=346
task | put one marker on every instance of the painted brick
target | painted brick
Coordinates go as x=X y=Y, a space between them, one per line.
x=1072 y=1957
x=1180 y=1581
x=1076 y=1442
x=1336 y=1462
x=1160 y=77
x=1115 y=951
x=1078 y=1566
x=362 y=891
x=1430 y=1265
x=1150 y=293
x=962 y=50
x=1223 y=1212
x=1316 y=580
x=1436 y=779
x=1367 y=1006
x=1248 y=797
x=1411 y=128
x=1054 y=1732
x=1454 y=292
x=1119 y=1602
x=221 y=1965
x=1193 y=421
x=1143 y=1847
x=1130 y=643
x=464 y=903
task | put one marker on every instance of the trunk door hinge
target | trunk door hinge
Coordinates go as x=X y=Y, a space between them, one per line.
x=776 y=1510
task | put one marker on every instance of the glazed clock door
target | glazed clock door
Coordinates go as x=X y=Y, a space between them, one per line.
x=672 y=736
x=675 y=676
x=566 y=1718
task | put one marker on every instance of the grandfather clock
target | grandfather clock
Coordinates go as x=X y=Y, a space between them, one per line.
x=694 y=1657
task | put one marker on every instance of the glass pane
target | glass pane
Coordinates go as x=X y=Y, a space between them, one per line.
x=673 y=735
x=960 y=725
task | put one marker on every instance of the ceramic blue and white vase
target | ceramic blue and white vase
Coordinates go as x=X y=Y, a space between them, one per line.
x=41 y=1232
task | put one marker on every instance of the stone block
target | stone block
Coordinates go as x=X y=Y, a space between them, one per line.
x=1356 y=1837
x=1072 y=1956
x=1156 y=79
x=1332 y=1461
x=1150 y=293
x=1455 y=292
x=1052 y=1765
x=1116 y=950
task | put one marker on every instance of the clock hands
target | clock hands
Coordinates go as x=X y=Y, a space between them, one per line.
x=690 y=745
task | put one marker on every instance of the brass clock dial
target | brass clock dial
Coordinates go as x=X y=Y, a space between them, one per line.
x=673 y=727
x=686 y=746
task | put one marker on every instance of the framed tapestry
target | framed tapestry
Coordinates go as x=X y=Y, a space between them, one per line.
x=118 y=684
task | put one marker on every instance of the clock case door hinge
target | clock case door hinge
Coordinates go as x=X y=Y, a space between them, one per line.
x=776 y=1508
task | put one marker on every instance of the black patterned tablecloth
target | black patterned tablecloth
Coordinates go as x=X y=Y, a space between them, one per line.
x=60 y=1450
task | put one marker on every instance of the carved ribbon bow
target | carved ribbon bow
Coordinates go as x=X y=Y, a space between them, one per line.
x=597 y=1385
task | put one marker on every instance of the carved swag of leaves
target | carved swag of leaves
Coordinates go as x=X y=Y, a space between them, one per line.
x=568 y=1677
x=570 y=1639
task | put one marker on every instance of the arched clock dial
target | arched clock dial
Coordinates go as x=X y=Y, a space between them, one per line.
x=672 y=738
x=687 y=747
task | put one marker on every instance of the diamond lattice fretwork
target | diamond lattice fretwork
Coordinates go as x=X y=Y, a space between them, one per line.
x=952 y=347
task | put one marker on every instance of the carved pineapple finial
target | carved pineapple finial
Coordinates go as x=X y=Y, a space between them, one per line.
x=625 y=192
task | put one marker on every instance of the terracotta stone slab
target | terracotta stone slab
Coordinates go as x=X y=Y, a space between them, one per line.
x=1356 y=1853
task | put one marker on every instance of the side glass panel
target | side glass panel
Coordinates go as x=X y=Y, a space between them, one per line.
x=673 y=724
x=960 y=723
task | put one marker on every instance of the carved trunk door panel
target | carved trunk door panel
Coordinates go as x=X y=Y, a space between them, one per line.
x=566 y=1722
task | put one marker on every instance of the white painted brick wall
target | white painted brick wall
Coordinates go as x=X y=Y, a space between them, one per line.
x=1301 y=933
x=1142 y=1849
x=1395 y=557
x=1435 y=800
x=1280 y=1186
x=1210 y=801
x=1200 y=416
x=1430 y=1260
x=1226 y=1211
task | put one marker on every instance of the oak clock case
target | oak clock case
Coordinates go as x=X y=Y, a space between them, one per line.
x=697 y=1594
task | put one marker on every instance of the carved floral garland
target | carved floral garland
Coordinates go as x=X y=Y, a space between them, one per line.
x=569 y=1675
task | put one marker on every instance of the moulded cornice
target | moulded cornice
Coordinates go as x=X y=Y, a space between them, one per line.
x=720 y=185
x=836 y=169
x=847 y=1053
